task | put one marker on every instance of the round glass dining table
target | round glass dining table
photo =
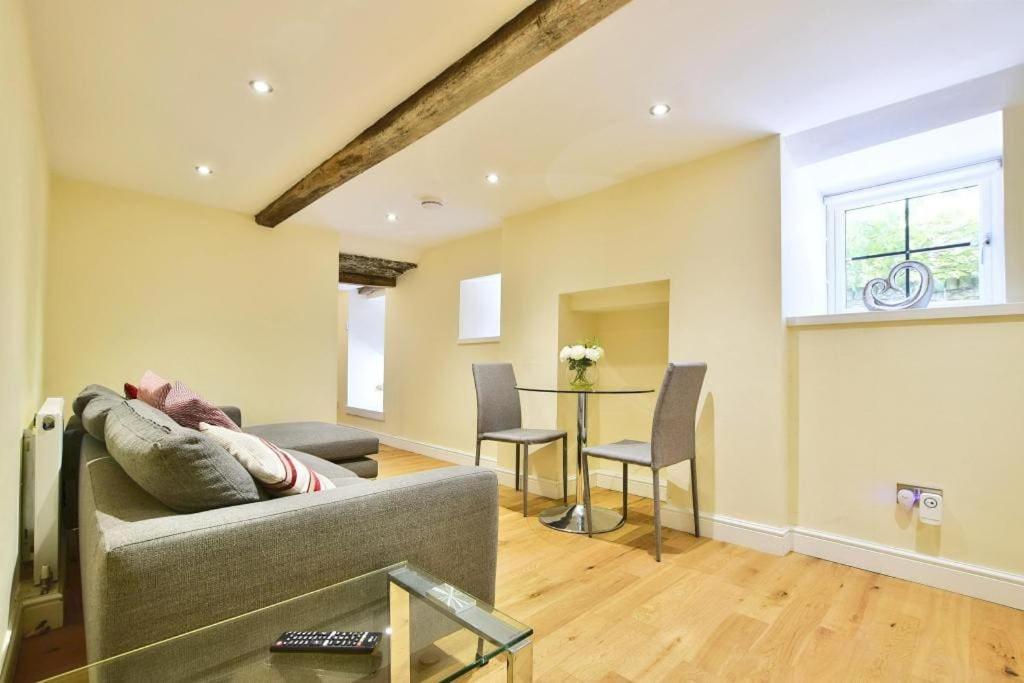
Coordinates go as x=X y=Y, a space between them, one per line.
x=573 y=518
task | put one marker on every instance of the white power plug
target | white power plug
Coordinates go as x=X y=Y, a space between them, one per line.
x=930 y=509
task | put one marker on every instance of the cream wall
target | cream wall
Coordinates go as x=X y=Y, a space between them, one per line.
x=243 y=314
x=1013 y=197
x=936 y=404
x=23 y=203
x=932 y=403
x=686 y=225
x=428 y=385
x=712 y=228
x=811 y=426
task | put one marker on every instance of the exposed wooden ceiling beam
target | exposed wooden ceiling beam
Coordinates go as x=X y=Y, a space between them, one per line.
x=370 y=271
x=366 y=280
x=530 y=36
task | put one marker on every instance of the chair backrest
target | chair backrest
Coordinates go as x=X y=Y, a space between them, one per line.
x=497 y=399
x=674 y=432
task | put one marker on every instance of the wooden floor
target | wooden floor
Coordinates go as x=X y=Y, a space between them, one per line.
x=604 y=610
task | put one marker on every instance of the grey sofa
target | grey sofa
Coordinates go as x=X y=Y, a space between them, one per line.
x=149 y=573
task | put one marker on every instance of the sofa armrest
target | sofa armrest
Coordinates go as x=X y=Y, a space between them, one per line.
x=158 y=577
x=234 y=412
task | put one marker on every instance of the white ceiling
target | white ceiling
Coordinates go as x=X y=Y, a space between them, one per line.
x=136 y=93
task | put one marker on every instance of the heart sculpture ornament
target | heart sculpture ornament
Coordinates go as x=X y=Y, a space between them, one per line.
x=878 y=286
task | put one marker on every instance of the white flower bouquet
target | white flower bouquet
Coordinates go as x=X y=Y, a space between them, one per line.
x=581 y=358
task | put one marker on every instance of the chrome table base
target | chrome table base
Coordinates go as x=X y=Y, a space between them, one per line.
x=573 y=519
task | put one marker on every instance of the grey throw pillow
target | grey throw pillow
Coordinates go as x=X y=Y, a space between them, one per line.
x=88 y=394
x=94 y=416
x=180 y=467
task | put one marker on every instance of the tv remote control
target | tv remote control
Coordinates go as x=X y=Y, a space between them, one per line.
x=348 y=642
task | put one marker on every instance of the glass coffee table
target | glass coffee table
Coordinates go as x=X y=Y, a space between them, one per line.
x=432 y=632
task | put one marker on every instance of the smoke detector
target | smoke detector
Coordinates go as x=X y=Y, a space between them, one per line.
x=431 y=203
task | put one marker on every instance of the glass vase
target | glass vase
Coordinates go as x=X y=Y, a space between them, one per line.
x=583 y=376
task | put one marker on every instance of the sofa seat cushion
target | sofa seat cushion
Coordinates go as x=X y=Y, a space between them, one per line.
x=361 y=467
x=339 y=476
x=327 y=441
x=183 y=469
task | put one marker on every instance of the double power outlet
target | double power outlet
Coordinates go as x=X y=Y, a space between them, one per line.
x=928 y=501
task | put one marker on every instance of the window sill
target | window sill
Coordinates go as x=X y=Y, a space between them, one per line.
x=362 y=412
x=882 y=317
x=480 y=340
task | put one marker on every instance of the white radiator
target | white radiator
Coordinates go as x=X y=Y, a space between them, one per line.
x=41 y=495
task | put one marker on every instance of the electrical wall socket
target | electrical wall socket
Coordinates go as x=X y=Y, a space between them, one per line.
x=930 y=511
x=918 y=490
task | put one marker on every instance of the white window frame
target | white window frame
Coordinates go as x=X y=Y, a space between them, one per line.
x=992 y=273
x=464 y=337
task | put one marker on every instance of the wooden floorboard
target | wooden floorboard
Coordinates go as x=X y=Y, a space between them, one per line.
x=604 y=610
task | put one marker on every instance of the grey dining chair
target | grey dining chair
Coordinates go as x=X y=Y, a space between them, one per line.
x=499 y=417
x=673 y=436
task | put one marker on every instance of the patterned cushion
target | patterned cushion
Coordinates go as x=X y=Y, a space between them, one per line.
x=153 y=389
x=130 y=391
x=189 y=409
x=278 y=472
x=185 y=406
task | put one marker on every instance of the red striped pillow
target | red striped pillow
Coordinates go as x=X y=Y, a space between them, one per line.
x=277 y=472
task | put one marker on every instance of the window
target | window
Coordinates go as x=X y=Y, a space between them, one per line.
x=480 y=309
x=948 y=221
x=366 y=355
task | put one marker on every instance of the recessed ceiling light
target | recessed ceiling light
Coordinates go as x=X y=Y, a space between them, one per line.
x=431 y=203
x=261 y=87
x=492 y=178
x=204 y=170
x=660 y=110
x=392 y=217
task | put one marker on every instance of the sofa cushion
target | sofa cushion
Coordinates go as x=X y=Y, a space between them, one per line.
x=180 y=467
x=339 y=476
x=279 y=473
x=153 y=389
x=189 y=409
x=88 y=394
x=94 y=416
x=365 y=468
x=328 y=441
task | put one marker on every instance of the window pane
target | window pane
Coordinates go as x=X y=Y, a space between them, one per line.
x=955 y=271
x=859 y=272
x=945 y=218
x=480 y=307
x=875 y=229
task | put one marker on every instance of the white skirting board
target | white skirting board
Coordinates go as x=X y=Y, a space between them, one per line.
x=976 y=581
x=993 y=585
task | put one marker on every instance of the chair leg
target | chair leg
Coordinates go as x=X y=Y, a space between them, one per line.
x=565 y=470
x=526 y=474
x=586 y=496
x=625 y=490
x=657 y=517
x=517 y=467
x=693 y=492
x=478 y=452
